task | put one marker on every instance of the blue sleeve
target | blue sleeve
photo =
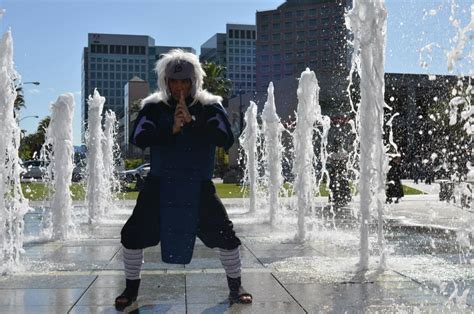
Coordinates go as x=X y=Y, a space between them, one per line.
x=217 y=126
x=148 y=131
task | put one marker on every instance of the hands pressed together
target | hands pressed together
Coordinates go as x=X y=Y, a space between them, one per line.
x=181 y=115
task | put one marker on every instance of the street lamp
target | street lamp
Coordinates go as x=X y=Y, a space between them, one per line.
x=28 y=117
x=34 y=83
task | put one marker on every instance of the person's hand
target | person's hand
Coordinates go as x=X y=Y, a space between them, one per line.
x=181 y=115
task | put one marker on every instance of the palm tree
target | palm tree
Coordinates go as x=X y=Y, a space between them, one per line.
x=215 y=81
x=20 y=98
x=43 y=125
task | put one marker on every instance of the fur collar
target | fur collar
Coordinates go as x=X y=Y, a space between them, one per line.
x=203 y=96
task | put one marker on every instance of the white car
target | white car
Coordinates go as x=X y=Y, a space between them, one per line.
x=33 y=169
x=132 y=174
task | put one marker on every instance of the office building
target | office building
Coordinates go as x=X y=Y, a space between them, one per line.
x=235 y=49
x=300 y=34
x=110 y=60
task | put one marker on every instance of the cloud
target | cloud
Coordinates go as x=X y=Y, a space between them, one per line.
x=34 y=91
x=77 y=93
x=52 y=90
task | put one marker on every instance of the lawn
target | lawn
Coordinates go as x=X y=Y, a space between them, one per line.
x=37 y=191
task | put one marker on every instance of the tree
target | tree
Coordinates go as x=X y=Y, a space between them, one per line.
x=216 y=83
x=449 y=133
x=31 y=144
x=20 y=97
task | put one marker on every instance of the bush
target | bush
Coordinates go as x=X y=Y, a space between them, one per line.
x=133 y=163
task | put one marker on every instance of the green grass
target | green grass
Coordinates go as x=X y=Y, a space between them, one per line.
x=411 y=191
x=37 y=191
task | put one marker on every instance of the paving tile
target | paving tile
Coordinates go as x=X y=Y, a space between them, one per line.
x=138 y=307
x=83 y=253
x=46 y=281
x=36 y=309
x=49 y=297
x=256 y=307
x=208 y=289
x=149 y=295
x=147 y=281
x=339 y=296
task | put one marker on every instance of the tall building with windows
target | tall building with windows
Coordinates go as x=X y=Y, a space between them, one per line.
x=300 y=34
x=110 y=60
x=235 y=49
x=214 y=49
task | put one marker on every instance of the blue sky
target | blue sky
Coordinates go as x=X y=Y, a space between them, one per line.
x=49 y=36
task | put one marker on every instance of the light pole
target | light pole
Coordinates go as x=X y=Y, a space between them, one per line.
x=34 y=83
x=28 y=117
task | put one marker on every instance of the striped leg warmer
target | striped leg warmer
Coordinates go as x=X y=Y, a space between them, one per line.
x=132 y=260
x=231 y=262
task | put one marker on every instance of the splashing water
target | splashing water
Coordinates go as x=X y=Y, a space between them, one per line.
x=272 y=132
x=58 y=151
x=248 y=140
x=367 y=21
x=307 y=116
x=13 y=205
x=110 y=151
x=95 y=199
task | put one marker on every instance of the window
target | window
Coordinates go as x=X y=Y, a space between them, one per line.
x=276 y=36
x=312 y=12
x=276 y=26
x=288 y=14
x=265 y=68
x=288 y=25
x=300 y=35
x=300 y=44
x=300 y=13
x=300 y=24
x=264 y=27
x=264 y=37
x=312 y=22
x=276 y=57
x=288 y=55
x=288 y=36
x=276 y=67
x=276 y=47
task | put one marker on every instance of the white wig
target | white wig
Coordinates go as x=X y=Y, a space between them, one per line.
x=175 y=56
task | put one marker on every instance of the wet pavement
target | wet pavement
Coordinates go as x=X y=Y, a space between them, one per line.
x=427 y=272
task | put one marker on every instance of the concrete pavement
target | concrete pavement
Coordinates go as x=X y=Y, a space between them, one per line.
x=428 y=270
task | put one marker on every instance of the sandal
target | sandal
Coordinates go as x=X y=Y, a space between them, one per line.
x=237 y=293
x=128 y=296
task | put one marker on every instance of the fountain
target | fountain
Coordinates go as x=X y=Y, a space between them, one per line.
x=367 y=21
x=305 y=185
x=95 y=198
x=58 y=152
x=248 y=140
x=13 y=205
x=272 y=131
x=110 y=151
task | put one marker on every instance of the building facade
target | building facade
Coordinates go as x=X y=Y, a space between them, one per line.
x=300 y=34
x=235 y=49
x=109 y=61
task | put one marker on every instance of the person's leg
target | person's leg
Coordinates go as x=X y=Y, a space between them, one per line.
x=140 y=231
x=216 y=230
x=132 y=260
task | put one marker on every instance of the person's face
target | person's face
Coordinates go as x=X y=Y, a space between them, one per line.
x=178 y=87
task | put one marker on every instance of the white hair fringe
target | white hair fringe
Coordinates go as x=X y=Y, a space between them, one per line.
x=163 y=93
